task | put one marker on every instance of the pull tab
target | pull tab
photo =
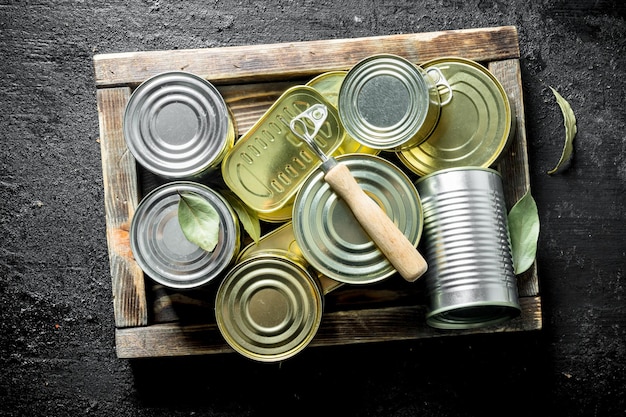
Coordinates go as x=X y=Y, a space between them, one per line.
x=442 y=84
x=314 y=115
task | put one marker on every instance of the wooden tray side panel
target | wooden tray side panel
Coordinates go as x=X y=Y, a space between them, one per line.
x=514 y=165
x=274 y=62
x=120 y=201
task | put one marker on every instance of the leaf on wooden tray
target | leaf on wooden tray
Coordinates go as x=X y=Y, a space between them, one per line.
x=198 y=220
x=248 y=217
x=524 y=231
x=569 y=121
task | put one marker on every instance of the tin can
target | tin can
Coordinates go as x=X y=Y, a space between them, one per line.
x=177 y=126
x=283 y=241
x=162 y=250
x=470 y=280
x=268 y=164
x=386 y=102
x=330 y=237
x=269 y=307
x=329 y=84
x=474 y=128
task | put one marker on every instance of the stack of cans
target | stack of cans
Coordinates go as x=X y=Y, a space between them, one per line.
x=418 y=139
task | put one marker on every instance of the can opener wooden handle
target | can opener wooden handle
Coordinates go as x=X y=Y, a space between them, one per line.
x=389 y=239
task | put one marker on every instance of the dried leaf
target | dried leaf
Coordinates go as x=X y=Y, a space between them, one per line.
x=524 y=231
x=248 y=217
x=569 y=121
x=198 y=220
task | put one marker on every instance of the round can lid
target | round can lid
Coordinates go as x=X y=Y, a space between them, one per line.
x=268 y=308
x=177 y=125
x=162 y=250
x=329 y=84
x=384 y=101
x=474 y=127
x=330 y=237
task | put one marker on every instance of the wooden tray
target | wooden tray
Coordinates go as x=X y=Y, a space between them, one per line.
x=250 y=79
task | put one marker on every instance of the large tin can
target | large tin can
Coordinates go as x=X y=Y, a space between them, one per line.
x=470 y=279
x=386 y=102
x=330 y=237
x=178 y=126
x=162 y=250
x=268 y=164
x=474 y=128
x=269 y=307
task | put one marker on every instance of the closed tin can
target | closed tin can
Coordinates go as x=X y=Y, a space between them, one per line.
x=268 y=164
x=470 y=279
x=386 y=102
x=330 y=237
x=329 y=84
x=474 y=128
x=162 y=250
x=269 y=307
x=177 y=125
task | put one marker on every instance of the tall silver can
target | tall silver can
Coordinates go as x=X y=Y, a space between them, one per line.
x=470 y=280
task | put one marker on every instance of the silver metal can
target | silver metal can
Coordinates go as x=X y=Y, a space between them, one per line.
x=269 y=307
x=330 y=237
x=162 y=250
x=177 y=125
x=470 y=280
x=386 y=102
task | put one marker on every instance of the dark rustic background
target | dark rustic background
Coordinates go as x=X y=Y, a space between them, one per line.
x=57 y=351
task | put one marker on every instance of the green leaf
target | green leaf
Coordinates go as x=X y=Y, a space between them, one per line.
x=524 y=231
x=198 y=220
x=248 y=217
x=569 y=121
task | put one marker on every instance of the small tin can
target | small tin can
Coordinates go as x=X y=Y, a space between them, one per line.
x=178 y=126
x=386 y=102
x=162 y=250
x=268 y=164
x=330 y=237
x=269 y=307
x=470 y=279
x=474 y=127
x=329 y=84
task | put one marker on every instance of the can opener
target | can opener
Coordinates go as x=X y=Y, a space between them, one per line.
x=389 y=239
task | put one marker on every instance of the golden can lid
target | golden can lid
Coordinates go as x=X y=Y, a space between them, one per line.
x=386 y=102
x=474 y=127
x=161 y=249
x=177 y=125
x=330 y=237
x=269 y=308
x=329 y=84
x=267 y=165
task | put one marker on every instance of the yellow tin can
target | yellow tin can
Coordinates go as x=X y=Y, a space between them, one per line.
x=474 y=128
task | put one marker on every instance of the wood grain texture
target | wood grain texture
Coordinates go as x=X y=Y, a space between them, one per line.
x=120 y=201
x=338 y=328
x=513 y=164
x=273 y=62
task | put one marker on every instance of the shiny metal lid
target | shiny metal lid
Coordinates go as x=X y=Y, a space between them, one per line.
x=177 y=125
x=268 y=308
x=267 y=165
x=473 y=129
x=330 y=237
x=329 y=84
x=162 y=250
x=387 y=102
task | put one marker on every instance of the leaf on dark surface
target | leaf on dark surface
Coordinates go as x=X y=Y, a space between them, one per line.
x=569 y=120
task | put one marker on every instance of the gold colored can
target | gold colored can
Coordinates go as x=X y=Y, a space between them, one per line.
x=474 y=128
x=267 y=165
x=269 y=307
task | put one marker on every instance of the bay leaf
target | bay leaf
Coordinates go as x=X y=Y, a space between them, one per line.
x=569 y=120
x=248 y=217
x=523 y=222
x=198 y=220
